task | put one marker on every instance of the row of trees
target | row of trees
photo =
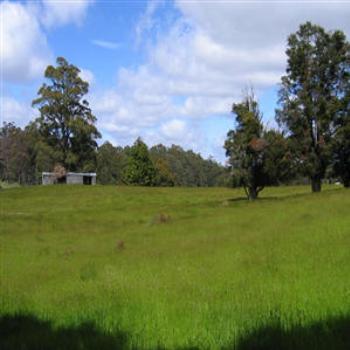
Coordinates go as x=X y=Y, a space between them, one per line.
x=157 y=166
x=24 y=155
x=313 y=116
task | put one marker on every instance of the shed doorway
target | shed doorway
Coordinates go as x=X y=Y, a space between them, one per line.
x=62 y=180
x=87 y=180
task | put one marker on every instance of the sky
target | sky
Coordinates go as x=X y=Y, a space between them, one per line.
x=167 y=71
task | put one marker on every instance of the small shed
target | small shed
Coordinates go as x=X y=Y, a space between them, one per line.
x=69 y=178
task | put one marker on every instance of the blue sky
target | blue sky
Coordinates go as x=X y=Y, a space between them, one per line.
x=167 y=71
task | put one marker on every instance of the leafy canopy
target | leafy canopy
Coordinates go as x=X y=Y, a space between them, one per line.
x=312 y=93
x=66 y=123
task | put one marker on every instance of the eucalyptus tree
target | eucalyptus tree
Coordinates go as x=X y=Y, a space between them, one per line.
x=66 y=123
x=311 y=96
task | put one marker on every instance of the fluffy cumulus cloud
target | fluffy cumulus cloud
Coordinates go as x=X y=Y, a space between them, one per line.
x=203 y=61
x=15 y=111
x=56 y=13
x=24 y=51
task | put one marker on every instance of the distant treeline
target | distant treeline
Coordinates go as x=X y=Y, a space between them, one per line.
x=157 y=166
x=24 y=156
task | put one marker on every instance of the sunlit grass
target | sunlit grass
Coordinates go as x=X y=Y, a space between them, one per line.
x=216 y=268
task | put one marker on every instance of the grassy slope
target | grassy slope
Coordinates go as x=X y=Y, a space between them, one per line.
x=217 y=270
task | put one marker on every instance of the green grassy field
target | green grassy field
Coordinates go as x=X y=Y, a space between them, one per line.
x=180 y=268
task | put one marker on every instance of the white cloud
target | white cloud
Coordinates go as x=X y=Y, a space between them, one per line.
x=174 y=128
x=201 y=64
x=87 y=76
x=13 y=110
x=111 y=45
x=56 y=13
x=24 y=52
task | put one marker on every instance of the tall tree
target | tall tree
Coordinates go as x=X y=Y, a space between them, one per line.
x=245 y=146
x=258 y=157
x=66 y=123
x=311 y=95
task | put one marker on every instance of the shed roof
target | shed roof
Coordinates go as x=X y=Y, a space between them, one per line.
x=70 y=173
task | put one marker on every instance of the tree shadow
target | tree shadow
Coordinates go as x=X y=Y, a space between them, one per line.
x=29 y=333
x=283 y=197
x=331 y=334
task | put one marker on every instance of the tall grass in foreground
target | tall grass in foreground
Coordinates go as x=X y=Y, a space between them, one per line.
x=218 y=273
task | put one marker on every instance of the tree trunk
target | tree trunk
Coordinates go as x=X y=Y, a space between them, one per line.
x=316 y=184
x=346 y=182
x=252 y=193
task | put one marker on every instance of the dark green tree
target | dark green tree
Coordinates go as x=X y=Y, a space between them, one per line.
x=66 y=123
x=245 y=147
x=257 y=157
x=311 y=95
x=280 y=165
x=341 y=153
x=140 y=169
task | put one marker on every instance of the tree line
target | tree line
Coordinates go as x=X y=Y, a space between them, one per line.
x=24 y=156
x=312 y=140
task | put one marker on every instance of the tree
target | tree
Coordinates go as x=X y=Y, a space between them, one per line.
x=66 y=123
x=110 y=164
x=341 y=153
x=16 y=162
x=258 y=157
x=280 y=166
x=186 y=168
x=164 y=176
x=311 y=95
x=245 y=147
x=140 y=169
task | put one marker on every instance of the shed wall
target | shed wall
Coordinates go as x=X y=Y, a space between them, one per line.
x=74 y=179
x=48 y=179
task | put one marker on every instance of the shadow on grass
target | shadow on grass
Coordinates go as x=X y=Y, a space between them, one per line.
x=29 y=333
x=282 y=197
x=331 y=334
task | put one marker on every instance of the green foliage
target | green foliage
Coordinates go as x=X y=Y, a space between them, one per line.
x=164 y=175
x=245 y=147
x=189 y=168
x=66 y=123
x=220 y=270
x=140 y=169
x=257 y=157
x=312 y=95
x=15 y=155
x=280 y=165
x=341 y=152
x=110 y=164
